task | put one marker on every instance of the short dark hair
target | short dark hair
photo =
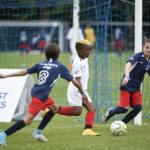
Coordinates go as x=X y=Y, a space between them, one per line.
x=147 y=41
x=80 y=46
x=52 y=51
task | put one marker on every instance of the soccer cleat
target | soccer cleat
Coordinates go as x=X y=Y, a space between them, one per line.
x=39 y=136
x=89 y=132
x=44 y=112
x=107 y=115
x=3 y=139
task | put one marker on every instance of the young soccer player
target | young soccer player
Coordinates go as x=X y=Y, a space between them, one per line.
x=80 y=70
x=130 y=88
x=48 y=72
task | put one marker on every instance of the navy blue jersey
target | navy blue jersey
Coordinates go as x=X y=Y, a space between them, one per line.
x=48 y=72
x=138 y=69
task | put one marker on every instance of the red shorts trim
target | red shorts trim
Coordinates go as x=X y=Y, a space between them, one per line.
x=36 y=105
x=130 y=98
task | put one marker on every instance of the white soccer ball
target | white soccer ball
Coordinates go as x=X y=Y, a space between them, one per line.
x=118 y=128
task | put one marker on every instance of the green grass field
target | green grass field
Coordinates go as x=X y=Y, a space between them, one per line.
x=65 y=134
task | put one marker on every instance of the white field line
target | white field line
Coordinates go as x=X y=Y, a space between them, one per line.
x=74 y=126
x=65 y=127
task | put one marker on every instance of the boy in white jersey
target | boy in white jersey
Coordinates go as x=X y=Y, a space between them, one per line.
x=80 y=70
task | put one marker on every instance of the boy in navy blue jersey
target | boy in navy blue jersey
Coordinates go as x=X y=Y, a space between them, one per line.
x=130 y=87
x=48 y=72
x=80 y=70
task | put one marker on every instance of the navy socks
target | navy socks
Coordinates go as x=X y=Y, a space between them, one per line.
x=20 y=124
x=48 y=116
x=132 y=114
x=118 y=110
x=17 y=126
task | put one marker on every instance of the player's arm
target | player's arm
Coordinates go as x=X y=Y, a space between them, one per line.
x=19 y=73
x=77 y=83
x=127 y=74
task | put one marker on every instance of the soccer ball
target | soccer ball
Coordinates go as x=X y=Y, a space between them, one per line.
x=118 y=128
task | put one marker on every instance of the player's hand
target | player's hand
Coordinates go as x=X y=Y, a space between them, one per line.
x=125 y=81
x=2 y=76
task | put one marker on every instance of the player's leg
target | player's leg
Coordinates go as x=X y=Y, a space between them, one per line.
x=70 y=111
x=33 y=110
x=75 y=100
x=136 y=109
x=37 y=134
x=53 y=108
x=90 y=115
x=113 y=111
x=89 y=118
x=16 y=127
x=136 y=104
x=121 y=108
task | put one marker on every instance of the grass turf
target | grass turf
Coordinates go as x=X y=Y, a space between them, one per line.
x=65 y=134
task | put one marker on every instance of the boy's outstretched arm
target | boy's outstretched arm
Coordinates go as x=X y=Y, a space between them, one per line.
x=19 y=73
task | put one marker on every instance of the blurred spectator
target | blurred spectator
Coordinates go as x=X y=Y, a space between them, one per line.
x=118 y=41
x=71 y=44
x=90 y=36
x=42 y=41
x=23 y=42
x=34 y=42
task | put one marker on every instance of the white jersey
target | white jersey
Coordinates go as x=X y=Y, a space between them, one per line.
x=80 y=69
